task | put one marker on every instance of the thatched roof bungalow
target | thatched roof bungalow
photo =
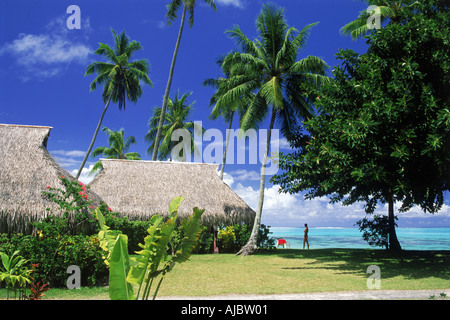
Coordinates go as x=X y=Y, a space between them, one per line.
x=140 y=189
x=26 y=169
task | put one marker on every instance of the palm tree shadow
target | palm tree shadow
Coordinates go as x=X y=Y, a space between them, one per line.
x=408 y=264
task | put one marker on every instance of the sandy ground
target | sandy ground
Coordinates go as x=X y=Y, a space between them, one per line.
x=348 y=295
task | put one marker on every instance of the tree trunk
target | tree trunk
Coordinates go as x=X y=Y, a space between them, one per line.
x=169 y=83
x=251 y=245
x=394 y=244
x=86 y=156
x=226 y=147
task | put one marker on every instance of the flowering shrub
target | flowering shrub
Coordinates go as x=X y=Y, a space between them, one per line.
x=77 y=208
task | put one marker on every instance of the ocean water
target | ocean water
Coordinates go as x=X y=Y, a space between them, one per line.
x=322 y=238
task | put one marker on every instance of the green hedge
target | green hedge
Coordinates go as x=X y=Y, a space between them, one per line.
x=55 y=254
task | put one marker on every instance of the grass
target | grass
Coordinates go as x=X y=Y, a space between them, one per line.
x=293 y=271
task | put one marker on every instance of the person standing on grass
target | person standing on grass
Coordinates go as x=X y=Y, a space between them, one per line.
x=305 y=236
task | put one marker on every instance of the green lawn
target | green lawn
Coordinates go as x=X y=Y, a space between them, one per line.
x=293 y=271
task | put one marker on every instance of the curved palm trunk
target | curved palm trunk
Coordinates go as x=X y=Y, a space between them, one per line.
x=251 y=245
x=169 y=83
x=226 y=146
x=86 y=156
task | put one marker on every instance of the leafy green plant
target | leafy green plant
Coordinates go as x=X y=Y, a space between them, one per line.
x=227 y=238
x=232 y=238
x=14 y=272
x=161 y=250
x=76 y=210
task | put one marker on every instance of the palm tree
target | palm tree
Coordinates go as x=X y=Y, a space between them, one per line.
x=224 y=105
x=387 y=9
x=118 y=148
x=268 y=66
x=176 y=118
x=173 y=7
x=120 y=77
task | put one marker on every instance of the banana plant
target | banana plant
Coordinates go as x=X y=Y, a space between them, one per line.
x=154 y=260
x=13 y=271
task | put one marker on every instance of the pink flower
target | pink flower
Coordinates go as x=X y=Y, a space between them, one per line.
x=109 y=209
x=80 y=183
x=85 y=197
x=81 y=193
x=83 y=188
x=113 y=216
x=91 y=207
x=48 y=187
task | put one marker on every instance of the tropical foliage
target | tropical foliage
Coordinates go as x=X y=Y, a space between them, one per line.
x=121 y=78
x=160 y=252
x=176 y=118
x=269 y=67
x=225 y=104
x=172 y=9
x=382 y=134
x=14 y=273
x=383 y=10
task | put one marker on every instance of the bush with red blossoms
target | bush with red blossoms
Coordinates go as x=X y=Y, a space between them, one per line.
x=77 y=209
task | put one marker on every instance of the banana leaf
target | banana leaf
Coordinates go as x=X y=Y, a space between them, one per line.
x=119 y=288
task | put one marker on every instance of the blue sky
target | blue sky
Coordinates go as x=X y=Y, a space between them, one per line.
x=42 y=65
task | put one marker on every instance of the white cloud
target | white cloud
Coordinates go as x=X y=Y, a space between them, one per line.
x=70 y=153
x=70 y=160
x=85 y=175
x=46 y=55
x=228 y=179
x=234 y=3
x=245 y=175
x=67 y=158
x=30 y=49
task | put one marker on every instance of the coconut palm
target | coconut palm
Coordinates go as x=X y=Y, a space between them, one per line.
x=176 y=118
x=386 y=9
x=119 y=76
x=268 y=66
x=173 y=7
x=118 y=148
x=224 y=107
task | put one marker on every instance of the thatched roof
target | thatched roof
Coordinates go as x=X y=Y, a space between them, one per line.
x=140 y=189
x=26 y=169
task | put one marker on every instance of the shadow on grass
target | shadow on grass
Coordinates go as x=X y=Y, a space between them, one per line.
x=408 y=264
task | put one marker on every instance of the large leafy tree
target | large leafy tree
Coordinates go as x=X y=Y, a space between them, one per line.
x=387 y=10
x=118 y=148
x=173 y=7
x=178 y=111
x=268 y=66
x=121 y=78
x=383 y=131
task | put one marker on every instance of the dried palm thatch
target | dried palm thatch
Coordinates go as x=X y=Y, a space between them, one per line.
x=26 y=169
x=140 y=189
